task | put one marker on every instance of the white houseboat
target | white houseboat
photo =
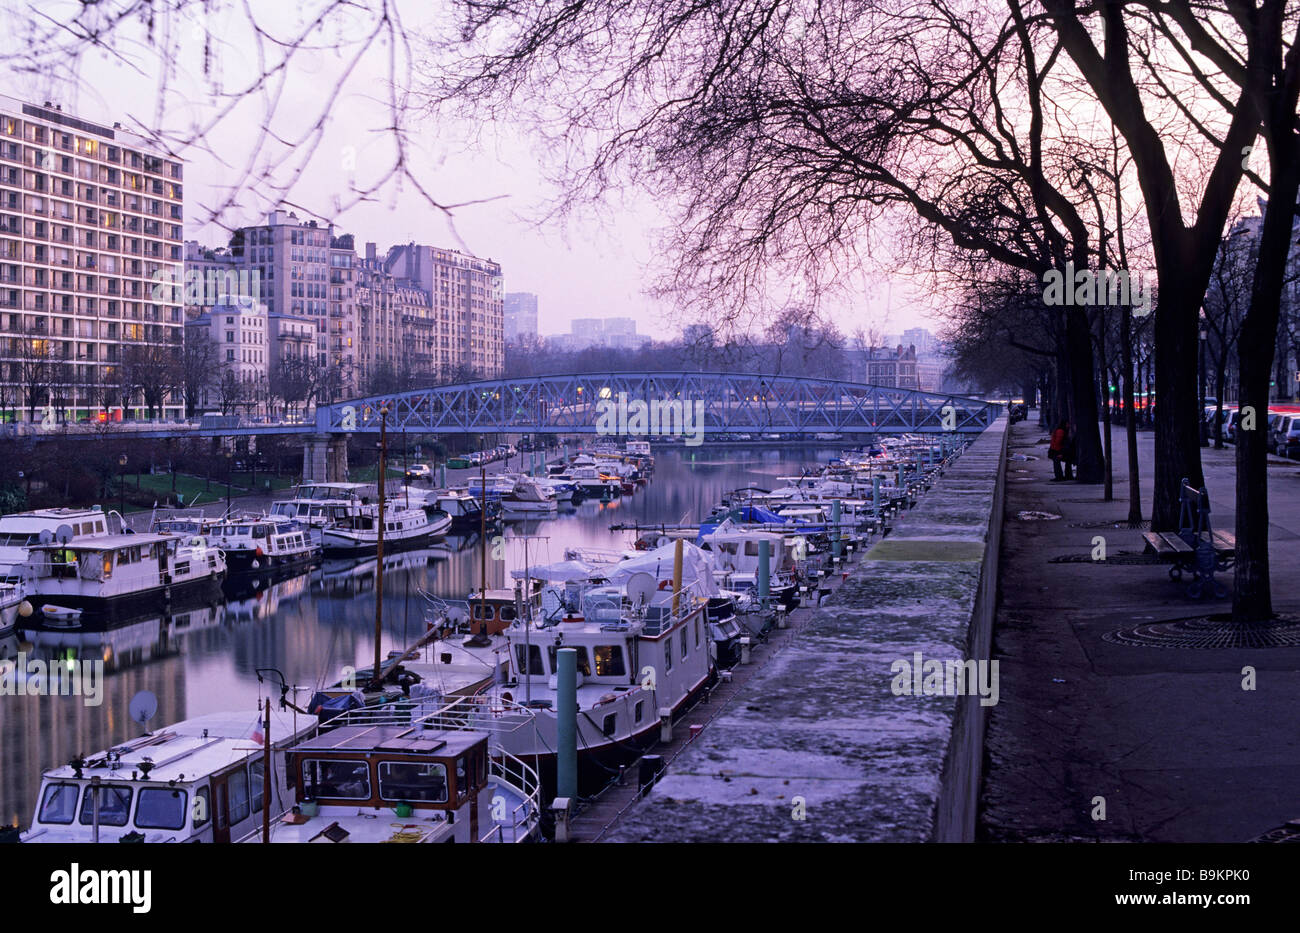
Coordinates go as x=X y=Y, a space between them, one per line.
x=264 y=545
x=358 y=533
x=113 y=577
x=21 y=530
x=200 y=780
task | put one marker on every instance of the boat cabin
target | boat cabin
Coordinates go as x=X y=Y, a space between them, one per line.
x=350 y=782
x=200 y=780
x=497 y=608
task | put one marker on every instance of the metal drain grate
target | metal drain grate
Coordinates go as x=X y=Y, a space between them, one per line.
x=1210 y=632
x=1121 y=523
x=1288 y=833
x=1121 y=558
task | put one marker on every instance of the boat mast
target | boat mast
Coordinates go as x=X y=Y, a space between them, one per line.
x=379 y=544
x=482 y=524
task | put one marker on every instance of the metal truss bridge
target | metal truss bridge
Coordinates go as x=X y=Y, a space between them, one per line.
x=697 y=405
x=662 y=404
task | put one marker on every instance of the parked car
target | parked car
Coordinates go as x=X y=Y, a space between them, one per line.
x=418 y=471
x=1286 y=436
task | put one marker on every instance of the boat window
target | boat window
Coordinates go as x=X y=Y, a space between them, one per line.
x=533 y=663
x=114 y=805
x=201 y=807
x=584 y=665
x=181 y=569
x=609 y=661
x=261 y=531
x=238 y=784
x=256 y=782
x=638 y=711
x=751 y=548
x=697 y=631
x=323 y=777
x=668 y=655
x=610 y=724
x=161 y=808
x=413 y=781
x=59 y=803
x=683 y=641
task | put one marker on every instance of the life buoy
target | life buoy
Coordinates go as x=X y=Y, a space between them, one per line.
x=664 y=584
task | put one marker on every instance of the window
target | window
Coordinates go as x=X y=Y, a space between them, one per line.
x=683 y=643
x=349 y=780
x=532 y=664
x=609 y=661
x=238 y=784
x=257 y=782
x=413 y=781
x=201 y=807
x=161 y=808
x=584 y=665
x=638 y=711
x=609 y=725
x=668 y=655
x=59 y=803
x=697 y=631
x=114 y=805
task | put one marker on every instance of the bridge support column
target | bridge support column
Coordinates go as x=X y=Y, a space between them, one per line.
x=325 y=458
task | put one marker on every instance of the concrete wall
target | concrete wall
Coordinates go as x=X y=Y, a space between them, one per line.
x=818 y=746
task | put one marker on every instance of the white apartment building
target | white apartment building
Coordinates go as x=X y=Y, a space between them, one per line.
x=91 y=221
x=239 y=330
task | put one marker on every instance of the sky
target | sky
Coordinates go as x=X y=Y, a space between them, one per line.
x=596 y=264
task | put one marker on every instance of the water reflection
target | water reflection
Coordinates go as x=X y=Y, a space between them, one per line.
x=310 y=625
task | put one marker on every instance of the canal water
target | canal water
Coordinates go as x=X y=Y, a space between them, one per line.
x=307 y=628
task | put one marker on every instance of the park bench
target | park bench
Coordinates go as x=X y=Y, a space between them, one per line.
x=1196 y=548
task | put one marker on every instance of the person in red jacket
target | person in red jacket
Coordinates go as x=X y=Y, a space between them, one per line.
x=1058 y=452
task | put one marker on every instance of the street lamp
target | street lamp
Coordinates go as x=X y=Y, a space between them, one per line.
x=229 y=456
x=121 y=484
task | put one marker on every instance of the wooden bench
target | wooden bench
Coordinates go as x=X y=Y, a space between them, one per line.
x=1195 y=548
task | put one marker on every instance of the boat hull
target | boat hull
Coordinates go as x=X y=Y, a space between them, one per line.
x=107 y=609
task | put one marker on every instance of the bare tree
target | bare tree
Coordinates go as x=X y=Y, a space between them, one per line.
x=155 y=370
x=198 y=368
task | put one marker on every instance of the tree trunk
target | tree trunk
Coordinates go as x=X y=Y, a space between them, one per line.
x=1251 y=596
x=1219 y=385
x=1178 y=436
x=1090 y=465
x=1130 y=421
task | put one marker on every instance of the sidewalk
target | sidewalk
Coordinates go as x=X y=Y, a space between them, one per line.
x=1168 y=736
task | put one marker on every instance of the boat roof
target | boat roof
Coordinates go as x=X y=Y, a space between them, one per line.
x=193 y=748
x=106 y=542
x=41 y=518
x=405 y=739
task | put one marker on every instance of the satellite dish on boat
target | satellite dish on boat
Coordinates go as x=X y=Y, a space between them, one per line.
x=640 y=587
x=143 y=706
x=46 y=536
x=64 y=533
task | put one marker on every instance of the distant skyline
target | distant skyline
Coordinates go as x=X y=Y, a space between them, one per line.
x=581 y=269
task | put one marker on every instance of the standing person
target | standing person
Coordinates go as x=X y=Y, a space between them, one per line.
x=1056 y=450
x=1071 y=451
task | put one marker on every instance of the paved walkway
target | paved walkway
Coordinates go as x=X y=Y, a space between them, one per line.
x=1168 y=736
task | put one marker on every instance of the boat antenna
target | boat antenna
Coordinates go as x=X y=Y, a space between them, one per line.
x=379 y=542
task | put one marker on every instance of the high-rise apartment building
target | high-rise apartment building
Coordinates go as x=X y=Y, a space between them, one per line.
x=91 y=234
x=468 y=303
x=520 y=315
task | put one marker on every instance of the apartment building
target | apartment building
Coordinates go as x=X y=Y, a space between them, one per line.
x=240 y=332
x=467 y=298
x=91 y=228
x=520 y=310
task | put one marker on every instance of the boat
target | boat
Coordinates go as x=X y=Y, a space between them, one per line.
x=358 y=533
x=19 y=531
x=61 y=616
x=266 y=545
x=11 y=602
x=111 y=577
x=464 y=510
x=736 y=565
x=424 y=781
x=192 y=523
x=199 y=780
x=528 y=498
x=319 y=505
